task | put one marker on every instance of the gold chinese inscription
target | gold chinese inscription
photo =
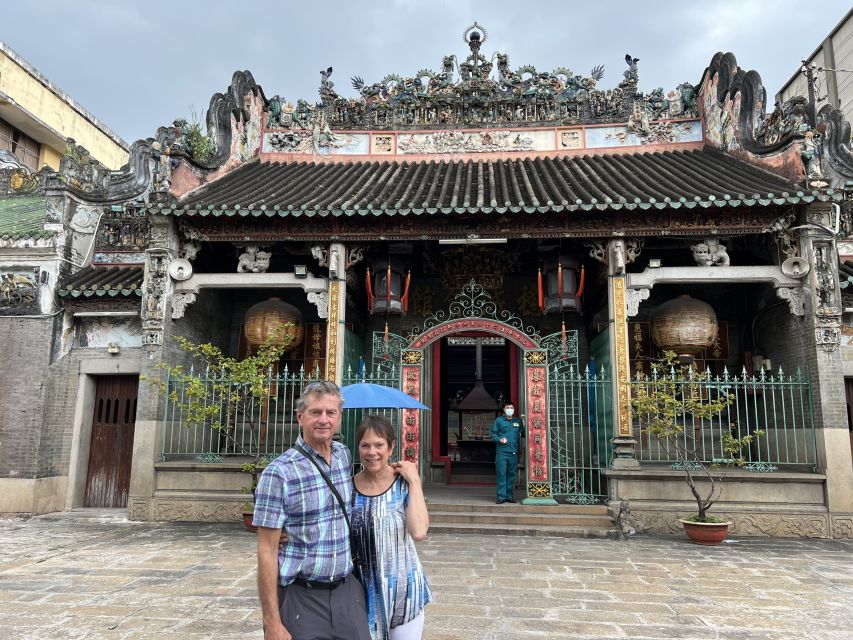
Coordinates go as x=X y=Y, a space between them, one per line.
x=537 y=442
x=411 y=417
x=623 y=389
x=334 y=309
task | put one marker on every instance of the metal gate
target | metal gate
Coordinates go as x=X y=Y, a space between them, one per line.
x=111 y=448
x=580 y=423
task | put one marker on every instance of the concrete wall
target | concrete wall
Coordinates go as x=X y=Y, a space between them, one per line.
x=835 y=52
x=51 y=115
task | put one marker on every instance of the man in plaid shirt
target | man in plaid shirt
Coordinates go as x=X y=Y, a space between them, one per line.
x=306 y=586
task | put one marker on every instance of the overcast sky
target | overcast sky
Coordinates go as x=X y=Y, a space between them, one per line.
x=140 y=64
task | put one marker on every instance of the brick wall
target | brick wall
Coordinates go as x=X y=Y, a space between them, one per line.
x=789 y=341
x=25 y=357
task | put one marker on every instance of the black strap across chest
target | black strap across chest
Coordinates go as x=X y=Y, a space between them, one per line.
x=328 y=480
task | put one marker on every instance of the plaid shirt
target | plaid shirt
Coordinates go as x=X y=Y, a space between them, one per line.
x=293 y=496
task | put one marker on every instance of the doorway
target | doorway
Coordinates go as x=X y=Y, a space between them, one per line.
x=479 y=374
x=111 y=448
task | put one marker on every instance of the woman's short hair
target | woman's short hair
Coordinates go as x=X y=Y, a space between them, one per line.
x=379 y=425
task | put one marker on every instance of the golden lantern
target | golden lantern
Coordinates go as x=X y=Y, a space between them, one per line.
x=684 y=325
x=264 y=318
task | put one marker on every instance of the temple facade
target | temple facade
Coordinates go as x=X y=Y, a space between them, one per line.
x=474 y=234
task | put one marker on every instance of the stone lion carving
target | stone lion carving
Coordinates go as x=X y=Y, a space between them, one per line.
x=253 y=260
x=710 y=253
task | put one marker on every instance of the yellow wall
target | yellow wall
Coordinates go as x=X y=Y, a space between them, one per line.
x=50 y=157
x=54 y=111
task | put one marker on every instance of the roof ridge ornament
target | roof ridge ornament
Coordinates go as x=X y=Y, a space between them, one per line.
x=484 y=92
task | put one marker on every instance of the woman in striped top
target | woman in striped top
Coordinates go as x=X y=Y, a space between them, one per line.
x=389 y=514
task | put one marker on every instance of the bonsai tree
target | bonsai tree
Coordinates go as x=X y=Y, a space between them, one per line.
x=675 y=394
x=224 y=387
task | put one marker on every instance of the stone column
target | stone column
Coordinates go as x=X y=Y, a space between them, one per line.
x=155 y=303
x=337 y=312
x=823 y=317
x=623 y=437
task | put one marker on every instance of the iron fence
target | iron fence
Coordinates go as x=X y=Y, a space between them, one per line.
x=266 y=426
x=779 y=405
x=581 y=427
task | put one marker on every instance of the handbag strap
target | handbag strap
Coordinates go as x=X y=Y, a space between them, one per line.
x=328 y=480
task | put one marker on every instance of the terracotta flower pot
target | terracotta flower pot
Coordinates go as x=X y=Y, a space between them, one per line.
x=708 y=533
x=247 y=520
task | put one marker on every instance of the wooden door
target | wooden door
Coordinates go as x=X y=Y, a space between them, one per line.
x=111 y=448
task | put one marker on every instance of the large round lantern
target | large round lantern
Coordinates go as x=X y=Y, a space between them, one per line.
x=684 y=325
x=264 y=318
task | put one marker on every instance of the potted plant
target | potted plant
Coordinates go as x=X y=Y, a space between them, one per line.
x=224 y=387
x=677 y=394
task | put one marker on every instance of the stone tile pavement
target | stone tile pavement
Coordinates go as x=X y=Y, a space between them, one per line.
x=92 y=574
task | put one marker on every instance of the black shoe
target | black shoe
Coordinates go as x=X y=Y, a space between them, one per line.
x=499 y=501
x=513 y=500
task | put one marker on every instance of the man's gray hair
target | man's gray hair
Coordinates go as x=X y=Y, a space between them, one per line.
x=318 y=388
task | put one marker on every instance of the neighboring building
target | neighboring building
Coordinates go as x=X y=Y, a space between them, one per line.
x=36 y=118
x=408 y=227
x=833 y=61
x=38 y=126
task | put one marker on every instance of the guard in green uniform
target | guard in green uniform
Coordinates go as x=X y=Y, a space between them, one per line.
x=506 y=432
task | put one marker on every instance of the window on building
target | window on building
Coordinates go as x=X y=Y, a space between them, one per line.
x=24 y=148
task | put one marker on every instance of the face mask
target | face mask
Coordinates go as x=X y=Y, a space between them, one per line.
x=509 y=412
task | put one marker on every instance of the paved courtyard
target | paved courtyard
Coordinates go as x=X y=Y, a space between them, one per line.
x=92 y=574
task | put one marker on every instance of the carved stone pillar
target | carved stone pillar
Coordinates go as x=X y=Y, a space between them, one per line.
x=623 y=438
x=155 y=313
x=337 y=313
x=823 y=313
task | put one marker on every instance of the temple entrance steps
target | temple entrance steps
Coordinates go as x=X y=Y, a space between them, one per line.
x=473 y=510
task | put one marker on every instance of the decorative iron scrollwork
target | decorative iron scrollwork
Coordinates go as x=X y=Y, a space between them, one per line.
x=473 y=302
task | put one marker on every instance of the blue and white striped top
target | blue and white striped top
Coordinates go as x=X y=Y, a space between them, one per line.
x=387 y=562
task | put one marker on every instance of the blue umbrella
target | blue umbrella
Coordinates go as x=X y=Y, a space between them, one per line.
x=365 y=395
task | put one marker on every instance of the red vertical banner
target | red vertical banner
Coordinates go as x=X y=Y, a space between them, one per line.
x=410 y=429
x=537 y=423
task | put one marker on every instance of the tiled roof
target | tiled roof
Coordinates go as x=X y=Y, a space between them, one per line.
x=660 y=180
x=22 y=217
x=103 y=281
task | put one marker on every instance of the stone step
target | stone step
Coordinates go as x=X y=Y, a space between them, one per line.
x=520 y=530
x=472 y=478
x=536 y=520
x=561 y=509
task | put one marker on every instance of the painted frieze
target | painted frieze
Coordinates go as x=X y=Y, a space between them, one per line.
x=19 y=293
x=103 y=332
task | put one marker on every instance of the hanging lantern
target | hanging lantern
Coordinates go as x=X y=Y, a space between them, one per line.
x=684 y=325
x=264 y=318
x=388 y=287
x=561 y=276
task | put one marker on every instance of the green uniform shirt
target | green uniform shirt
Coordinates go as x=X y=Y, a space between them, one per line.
x=509 y=428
